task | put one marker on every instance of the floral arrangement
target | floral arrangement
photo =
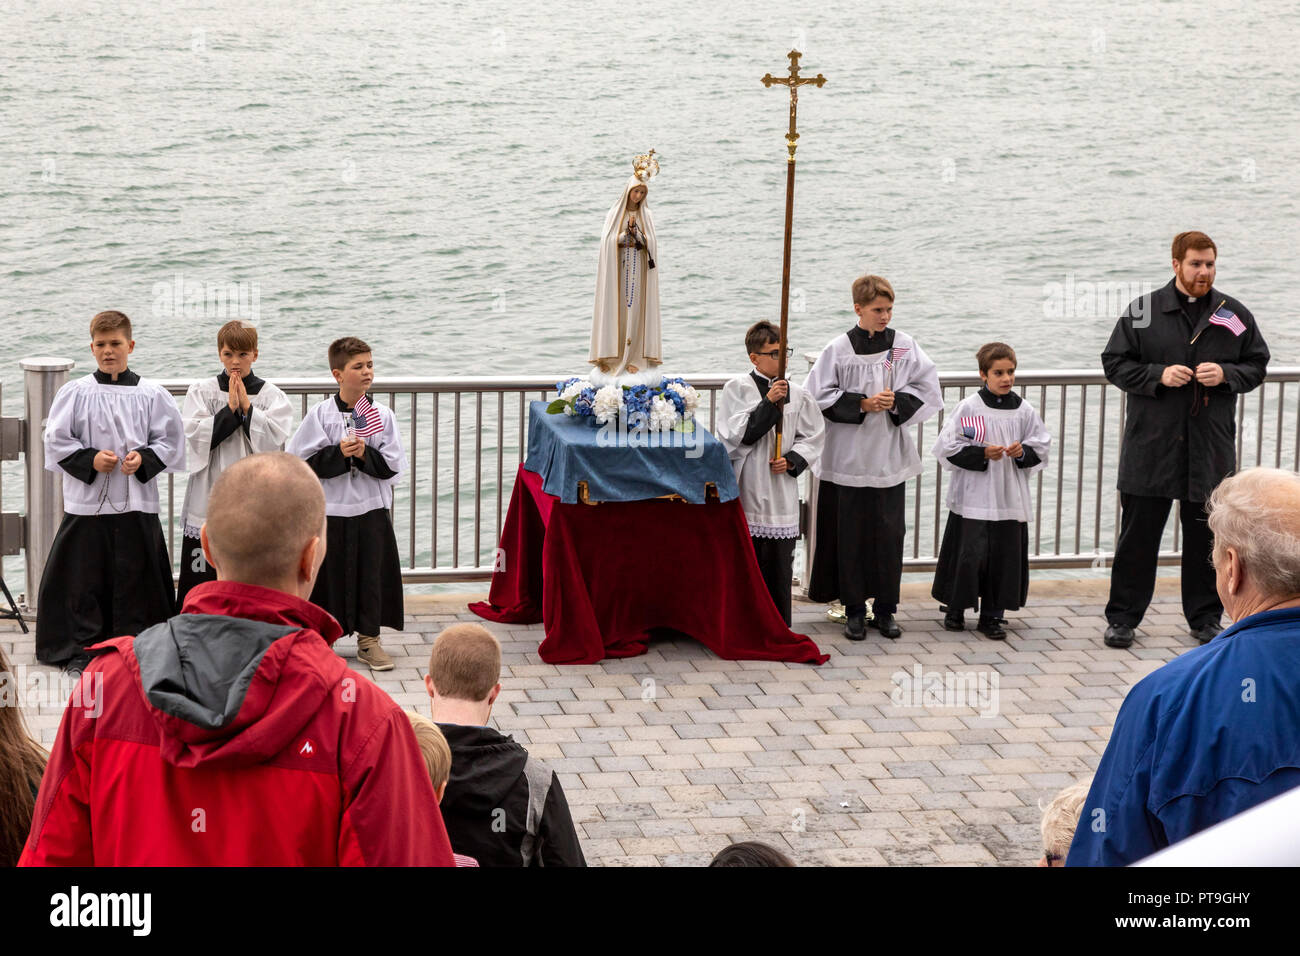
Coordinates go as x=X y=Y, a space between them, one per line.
x=670 y=404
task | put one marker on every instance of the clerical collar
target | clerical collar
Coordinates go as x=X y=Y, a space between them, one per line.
x=252 y=384
x=868 y=343
x=124 y=377
x=1009 y=400
x=1193 y=306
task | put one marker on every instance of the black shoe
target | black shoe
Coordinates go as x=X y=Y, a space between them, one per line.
x=77 y=664
x=855 y=628
x=1119 y=635
x=886 y=625
x=1206 y=632
x=954 y=621
x=992 y=628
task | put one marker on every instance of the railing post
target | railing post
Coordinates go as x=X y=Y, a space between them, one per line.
x=43 y=377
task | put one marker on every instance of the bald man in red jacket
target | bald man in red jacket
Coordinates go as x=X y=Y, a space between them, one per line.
x=232 y=734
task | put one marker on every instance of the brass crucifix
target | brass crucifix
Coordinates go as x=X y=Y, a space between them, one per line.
x=794 y=81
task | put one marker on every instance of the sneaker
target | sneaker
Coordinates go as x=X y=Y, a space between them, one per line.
x=1119 y=635
x=370 y=652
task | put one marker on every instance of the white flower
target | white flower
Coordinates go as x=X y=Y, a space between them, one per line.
x=663 y=414
x=689 y=396
x=608 y=404
x=572 y=391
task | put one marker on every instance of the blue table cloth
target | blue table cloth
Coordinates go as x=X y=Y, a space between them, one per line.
x=624 y=465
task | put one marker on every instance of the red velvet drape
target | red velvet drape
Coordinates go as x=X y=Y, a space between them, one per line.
x=601 y=576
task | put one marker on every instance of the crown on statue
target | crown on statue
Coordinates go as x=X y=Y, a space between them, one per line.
x=645 y=167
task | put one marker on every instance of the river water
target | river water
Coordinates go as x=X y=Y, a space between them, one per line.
x=433 y=176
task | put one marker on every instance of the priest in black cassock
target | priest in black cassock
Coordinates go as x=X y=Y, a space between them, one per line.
x=872 y=384
x=111 y=434
x=1183 y=354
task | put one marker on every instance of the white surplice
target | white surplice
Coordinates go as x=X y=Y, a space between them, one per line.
x=354 y=493
x=269 y=425
x=1000 y=493
x=876 y=453
x=120 y=419
x=770 y=502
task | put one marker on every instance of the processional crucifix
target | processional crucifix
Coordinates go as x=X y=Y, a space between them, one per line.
x=794 y=81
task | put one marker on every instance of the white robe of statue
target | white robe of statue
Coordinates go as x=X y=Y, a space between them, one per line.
x=625 y=340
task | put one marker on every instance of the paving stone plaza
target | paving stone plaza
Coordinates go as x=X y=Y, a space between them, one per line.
x=668 y=757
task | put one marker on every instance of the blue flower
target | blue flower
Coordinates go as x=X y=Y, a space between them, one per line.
x=582 y=403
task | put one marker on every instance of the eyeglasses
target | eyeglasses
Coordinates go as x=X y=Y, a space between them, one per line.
x=775 y=352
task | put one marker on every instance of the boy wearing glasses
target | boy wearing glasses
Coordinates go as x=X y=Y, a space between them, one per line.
x=872 y=384
x=750 y=407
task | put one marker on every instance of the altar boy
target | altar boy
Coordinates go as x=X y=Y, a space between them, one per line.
x=227 y=417
x=750 y=407
x=992 y=443
x=354 y=447
x=872 y=384
x=110 y=433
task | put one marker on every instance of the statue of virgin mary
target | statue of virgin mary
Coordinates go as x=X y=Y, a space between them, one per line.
x=625 y=347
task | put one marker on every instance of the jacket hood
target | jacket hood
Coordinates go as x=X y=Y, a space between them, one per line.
x=486 y=766
x=236 y=676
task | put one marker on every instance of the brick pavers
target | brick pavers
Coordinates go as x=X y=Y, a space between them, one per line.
x=668 y=757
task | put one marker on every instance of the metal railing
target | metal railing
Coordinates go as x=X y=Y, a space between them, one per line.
x=465 y=438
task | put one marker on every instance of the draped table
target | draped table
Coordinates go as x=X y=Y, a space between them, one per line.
x=600 y=577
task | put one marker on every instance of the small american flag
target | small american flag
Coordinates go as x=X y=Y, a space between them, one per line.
x=895 y=354
x=973 y=427
x=1228 y=319
x=366 y=420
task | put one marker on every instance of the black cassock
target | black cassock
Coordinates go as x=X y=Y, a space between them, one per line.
x=360 y=582
x=112 y=577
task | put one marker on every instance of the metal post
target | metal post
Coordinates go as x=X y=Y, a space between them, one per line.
x=43 y=376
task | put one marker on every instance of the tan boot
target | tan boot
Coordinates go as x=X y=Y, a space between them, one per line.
x=370 y=652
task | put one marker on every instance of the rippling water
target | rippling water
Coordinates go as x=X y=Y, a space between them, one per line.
x=433 y=176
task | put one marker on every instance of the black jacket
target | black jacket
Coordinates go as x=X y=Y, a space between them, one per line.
x=486 y=806
x=1179 y=442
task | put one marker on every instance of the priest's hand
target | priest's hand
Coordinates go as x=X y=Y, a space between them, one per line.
x=779 y=390
x=105 y=461
x=1207 y=373
x=994 y=452
x=1175 y=376
x=1015 y=450
x=779 y=466
x=131 y=463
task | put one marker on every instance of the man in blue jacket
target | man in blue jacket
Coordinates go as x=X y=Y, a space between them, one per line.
x=1217 y=730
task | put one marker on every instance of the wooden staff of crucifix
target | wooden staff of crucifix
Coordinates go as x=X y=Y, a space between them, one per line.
x=794 y=81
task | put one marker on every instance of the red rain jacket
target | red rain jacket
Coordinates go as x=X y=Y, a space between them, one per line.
x=233 y=735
